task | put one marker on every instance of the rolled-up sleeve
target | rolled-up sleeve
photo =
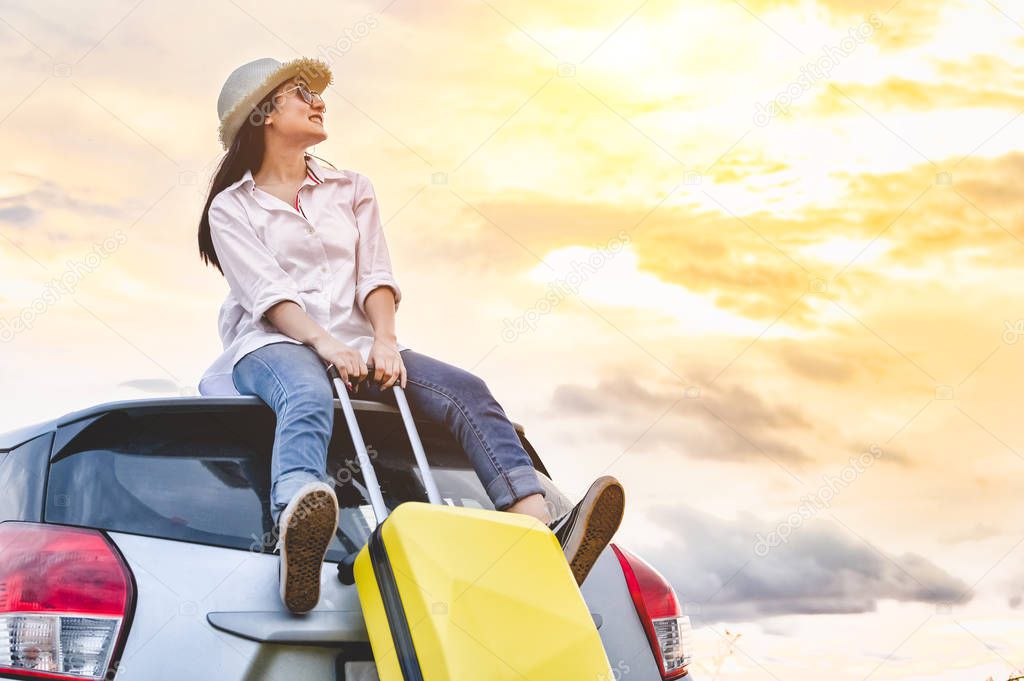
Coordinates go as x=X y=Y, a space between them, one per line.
x=254 y=275
x=373 y=261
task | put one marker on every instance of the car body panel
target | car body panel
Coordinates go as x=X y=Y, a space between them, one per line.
x=211 y=612
x=222 y=606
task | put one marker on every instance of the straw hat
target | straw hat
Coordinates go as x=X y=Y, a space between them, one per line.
x=249 y=83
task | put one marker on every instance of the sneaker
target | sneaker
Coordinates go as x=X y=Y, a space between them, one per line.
x=585 y=530
x=307 y=525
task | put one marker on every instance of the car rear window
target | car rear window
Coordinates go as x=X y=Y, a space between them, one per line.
x=204 y=476
x=22 y=473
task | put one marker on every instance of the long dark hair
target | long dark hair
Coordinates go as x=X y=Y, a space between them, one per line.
x=245 y=153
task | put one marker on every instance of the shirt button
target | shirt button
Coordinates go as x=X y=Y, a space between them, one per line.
x=310 y=229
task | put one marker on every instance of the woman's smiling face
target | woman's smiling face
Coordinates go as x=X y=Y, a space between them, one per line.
x=294 y=118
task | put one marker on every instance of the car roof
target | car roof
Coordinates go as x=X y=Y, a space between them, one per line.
x=18 y=436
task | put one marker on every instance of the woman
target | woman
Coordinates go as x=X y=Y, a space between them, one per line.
x=310 y=279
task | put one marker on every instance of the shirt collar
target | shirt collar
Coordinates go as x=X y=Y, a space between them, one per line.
x=316 y=174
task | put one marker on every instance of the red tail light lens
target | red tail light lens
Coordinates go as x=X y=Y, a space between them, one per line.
x=668 y=630
x=65 y=594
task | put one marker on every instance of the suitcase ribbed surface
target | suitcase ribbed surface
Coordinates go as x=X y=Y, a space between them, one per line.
x=485 y=595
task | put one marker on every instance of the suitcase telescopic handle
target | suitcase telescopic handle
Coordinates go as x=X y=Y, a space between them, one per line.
x=433 y=494
x=380 y=510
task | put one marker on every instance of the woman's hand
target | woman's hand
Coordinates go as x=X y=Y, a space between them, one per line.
x=348 y=361
x=387 y=363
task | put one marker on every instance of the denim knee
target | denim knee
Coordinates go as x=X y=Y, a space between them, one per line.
x=468 y=385
x=310 y=397
x=305 y=421
x=514 y=476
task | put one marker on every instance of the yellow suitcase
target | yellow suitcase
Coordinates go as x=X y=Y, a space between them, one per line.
x=463 y=594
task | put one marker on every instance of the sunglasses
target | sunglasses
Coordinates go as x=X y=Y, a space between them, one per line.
x=306 y=94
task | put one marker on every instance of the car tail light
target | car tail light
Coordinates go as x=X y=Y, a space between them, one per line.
x=668 y=629
x=65 y=597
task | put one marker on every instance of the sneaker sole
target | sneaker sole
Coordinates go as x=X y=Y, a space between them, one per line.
x=310 y=526
x=602 y=508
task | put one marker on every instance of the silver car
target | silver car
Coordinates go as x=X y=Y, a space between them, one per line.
x=136 y=543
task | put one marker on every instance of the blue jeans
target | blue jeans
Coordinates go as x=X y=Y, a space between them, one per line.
x=293 y=381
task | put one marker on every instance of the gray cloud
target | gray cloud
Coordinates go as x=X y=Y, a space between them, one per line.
x=64 y=30
x=152 y=385
x=1013 y=585
x=822 y=568
x=17 y=214
x=727 y=422
x=26 y=209
x=47 y=194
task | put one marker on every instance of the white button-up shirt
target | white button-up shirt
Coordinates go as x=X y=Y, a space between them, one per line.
x=326 y=252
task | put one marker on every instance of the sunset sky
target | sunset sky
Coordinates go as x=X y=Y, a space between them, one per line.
x=804 y=236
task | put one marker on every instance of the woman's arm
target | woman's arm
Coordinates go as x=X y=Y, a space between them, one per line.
x=380 y=310
x=372 y=256
x=377 y=295
x=384 y=355
x=292 y=320
x=265 y=290
x=377 y=292
x=252 y=272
